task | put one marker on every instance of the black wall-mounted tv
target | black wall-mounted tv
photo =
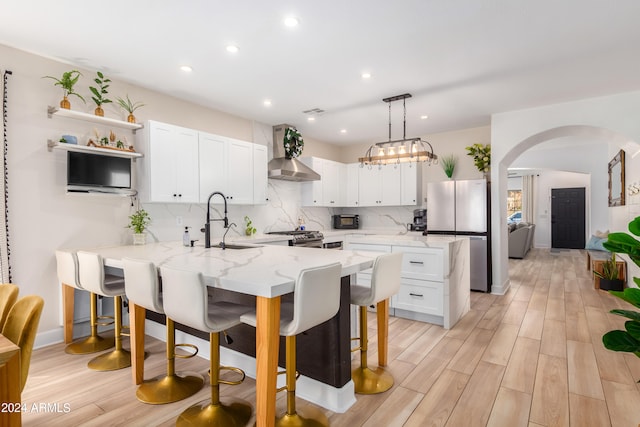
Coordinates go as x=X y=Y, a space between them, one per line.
x=86 y=171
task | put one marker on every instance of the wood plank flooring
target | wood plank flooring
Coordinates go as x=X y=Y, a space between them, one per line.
x=533 y=357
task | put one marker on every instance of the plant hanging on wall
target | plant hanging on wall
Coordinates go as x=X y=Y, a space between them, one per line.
x=293 y=143
x=448 y=164
x=481 y=156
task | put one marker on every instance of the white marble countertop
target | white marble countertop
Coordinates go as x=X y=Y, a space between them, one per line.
x=266 y=271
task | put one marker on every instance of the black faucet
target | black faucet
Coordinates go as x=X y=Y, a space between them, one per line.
x=207 y=225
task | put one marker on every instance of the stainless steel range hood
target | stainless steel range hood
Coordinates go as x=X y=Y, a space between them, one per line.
x=287 y=169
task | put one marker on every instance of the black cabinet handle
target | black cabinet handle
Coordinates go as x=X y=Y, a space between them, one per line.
x=416 y=295
x=416 y=262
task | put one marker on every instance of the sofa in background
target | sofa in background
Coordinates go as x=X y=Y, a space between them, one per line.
x=520 y=239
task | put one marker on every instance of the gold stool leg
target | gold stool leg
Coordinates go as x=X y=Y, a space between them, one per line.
x=93 y=343
x=234 y=413
x=368 y=381
x=307 y=417
x=172 y=387
x=118 y=358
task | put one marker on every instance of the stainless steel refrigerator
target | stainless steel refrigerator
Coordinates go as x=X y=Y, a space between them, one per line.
x=462 y=208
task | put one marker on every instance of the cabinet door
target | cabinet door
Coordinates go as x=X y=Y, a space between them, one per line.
x=239 y=172
x=162 y=170
x=187 y=174
x=213 y=165
x=330 y=183
x=312 y=191
x=420 y=296
x=422 y=263
x=409 y=183
x=260 y=173
x=390 y=185
x=351 y=197
x=369 y=186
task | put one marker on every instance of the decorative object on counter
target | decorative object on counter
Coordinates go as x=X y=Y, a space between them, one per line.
x=138 y=222
x=69 y=139
x=449 y=164
x=481 y=156
x=293 y=143
x=186 y=239
x=112 y=142
x=400 y=150
x=609 y=277
x=100 y=92
x=67 y=82
x=249 y=229
x=129 y=106
x=629 y=339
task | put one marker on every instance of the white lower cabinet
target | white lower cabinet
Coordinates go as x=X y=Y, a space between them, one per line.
x=421 y=296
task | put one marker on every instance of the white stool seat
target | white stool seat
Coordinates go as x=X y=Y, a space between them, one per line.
x=67 y=265
x=385 y=281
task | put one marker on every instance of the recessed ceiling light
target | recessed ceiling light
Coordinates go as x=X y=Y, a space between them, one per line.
x=291 y=21
x=311 y=119
x=232 y=48
x=186 y=68
x=366 y=75
x=343 y=131
x=267 y=103
x=424 y=117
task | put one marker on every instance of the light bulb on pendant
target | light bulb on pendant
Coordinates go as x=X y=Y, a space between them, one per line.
x=403 y=149
x=392 y=151
x=380 y=151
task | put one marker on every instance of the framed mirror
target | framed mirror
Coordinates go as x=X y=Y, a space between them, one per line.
x=616 y=180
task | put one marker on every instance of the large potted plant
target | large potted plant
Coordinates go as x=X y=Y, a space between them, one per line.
x=67 y=82
x=629 y=339
x=138 y=222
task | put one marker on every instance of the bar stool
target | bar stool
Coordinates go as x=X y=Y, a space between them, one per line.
x=142 y=287
x=316 y=299
x=186 y=301
x=385 y=282
x=92 y=277
x=67 y=263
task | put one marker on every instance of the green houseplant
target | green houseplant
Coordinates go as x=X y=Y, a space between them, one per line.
x=138 y=222
x=99 y=93
x=67 y=82
x=129 y=106
x=629 y=339
x=609 y=280
x=481 y=156
x=249 y=229
x=448 y=164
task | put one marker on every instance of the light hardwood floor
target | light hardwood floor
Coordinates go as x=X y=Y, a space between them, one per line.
x=533 y=357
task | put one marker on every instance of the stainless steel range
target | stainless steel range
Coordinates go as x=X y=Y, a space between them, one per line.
x=309 y=239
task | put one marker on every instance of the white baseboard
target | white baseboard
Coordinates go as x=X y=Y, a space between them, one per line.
x=501 y=289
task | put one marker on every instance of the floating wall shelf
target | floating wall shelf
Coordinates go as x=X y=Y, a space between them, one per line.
x=62 y=112
x=53 y=145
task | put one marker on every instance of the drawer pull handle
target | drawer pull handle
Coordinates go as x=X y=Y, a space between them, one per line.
x=415 y=295
x=416 y=262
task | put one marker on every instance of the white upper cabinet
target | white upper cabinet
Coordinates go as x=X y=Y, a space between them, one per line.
x=379 y=185
x=313 y=191
x=223 y=166
x=170 y=170
x=327 y=191
x=410 y=176
x=350 y=185
x=260 y=162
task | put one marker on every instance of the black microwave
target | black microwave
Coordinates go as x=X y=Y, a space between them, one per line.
x=346 y=221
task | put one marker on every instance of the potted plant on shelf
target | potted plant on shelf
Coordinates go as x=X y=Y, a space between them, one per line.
x=448 y=164
x=138 y=222
x=249 y=229
x=100 y=92
x=67 y=82
x=629 y=339
x=481 y=157
x=129 y=106
x=609 y=280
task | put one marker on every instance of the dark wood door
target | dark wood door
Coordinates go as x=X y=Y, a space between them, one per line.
x=567 y=218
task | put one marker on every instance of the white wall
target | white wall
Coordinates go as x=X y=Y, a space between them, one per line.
x=609 y=118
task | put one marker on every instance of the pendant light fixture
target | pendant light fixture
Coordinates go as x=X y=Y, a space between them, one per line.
x=400 y=150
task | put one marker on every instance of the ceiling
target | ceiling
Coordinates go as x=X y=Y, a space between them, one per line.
x=462 y=60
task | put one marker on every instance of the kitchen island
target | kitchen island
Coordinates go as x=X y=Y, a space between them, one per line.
x=265 y=272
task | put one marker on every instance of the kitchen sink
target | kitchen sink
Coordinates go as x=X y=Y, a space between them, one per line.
x=232 y=246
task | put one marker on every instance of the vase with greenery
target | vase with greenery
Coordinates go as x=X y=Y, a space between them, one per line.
x=249 y=229
x=481 y=156
x=138 y=222
x=67 y=82
x=100 y=92
x=129 y=106
x=609 y=280
x=629 y=339
x=448 y=164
